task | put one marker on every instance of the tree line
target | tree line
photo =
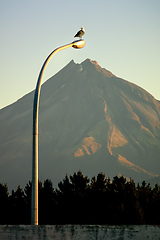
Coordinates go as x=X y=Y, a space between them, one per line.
x=79 y=200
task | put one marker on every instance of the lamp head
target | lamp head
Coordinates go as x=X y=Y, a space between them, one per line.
x=78 y=44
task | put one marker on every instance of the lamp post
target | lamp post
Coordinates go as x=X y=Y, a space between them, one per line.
x=34 y=196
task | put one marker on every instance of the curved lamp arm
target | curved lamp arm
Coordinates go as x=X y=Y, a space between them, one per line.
x=34 y=198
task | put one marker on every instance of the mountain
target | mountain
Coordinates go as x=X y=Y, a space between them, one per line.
x=89 y=120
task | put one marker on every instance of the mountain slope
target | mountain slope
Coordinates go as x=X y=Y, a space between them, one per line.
x=89 y=120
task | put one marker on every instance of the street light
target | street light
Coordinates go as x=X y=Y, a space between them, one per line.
x=34 y=198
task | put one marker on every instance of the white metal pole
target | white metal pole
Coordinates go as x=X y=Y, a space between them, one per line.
x=34 y=198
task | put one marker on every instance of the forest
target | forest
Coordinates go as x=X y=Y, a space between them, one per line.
x=80 y=200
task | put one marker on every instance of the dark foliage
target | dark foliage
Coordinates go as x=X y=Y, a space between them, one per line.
x=79 y=200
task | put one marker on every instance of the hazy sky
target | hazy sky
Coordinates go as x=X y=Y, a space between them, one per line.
x=123 y=36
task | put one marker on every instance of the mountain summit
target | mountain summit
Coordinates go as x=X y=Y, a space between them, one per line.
x=89 y=120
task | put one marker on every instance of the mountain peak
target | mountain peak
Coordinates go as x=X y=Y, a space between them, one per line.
x=92 y=63
x=88 y=60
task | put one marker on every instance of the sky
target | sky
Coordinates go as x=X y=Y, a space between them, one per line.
x=123 y=36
